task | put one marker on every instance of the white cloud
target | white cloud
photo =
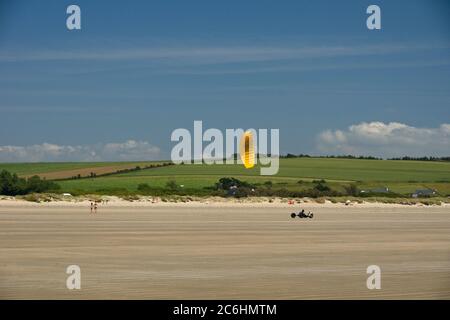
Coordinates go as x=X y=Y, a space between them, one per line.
x=211 y=54
x=386 y=140
x=124 y=151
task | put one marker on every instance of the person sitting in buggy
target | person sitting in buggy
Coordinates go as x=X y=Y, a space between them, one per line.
x=302 y=214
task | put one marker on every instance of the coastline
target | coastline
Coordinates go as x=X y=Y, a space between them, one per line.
x=148 y=201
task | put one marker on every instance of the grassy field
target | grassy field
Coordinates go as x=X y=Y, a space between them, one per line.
x=307 y=168
x=401 y=177
x=329 y=169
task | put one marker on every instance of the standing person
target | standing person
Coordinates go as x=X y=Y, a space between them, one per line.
x=92 y=206
x=95 y=207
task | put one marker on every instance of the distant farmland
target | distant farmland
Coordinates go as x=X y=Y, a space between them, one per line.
x=64 y=170
x=402 y=177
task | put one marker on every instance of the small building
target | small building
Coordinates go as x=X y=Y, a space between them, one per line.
x=423 y=193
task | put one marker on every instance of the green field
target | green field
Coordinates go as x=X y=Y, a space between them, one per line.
x=401 y=177
x=330 y=169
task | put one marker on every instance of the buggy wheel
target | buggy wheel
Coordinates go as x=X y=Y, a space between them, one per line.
x=311 y=215
x=293 y=215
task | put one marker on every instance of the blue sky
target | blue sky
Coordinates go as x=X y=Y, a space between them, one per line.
x=138 y=70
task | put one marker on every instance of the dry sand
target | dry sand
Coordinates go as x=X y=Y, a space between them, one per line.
x=234 y=251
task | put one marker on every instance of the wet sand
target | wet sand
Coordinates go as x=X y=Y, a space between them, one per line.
x=213 y=252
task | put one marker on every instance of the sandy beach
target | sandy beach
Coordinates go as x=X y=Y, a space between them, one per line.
x=229 y=250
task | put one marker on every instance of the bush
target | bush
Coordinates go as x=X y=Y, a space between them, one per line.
x=38 y=185
x=227 y=183
x=237 y=188
x=352 y=190
x=268 y=184
x=172 y=185
x=322 y=187
x=12 y=185
x=143 y=187
x=243 y=192
x=130 y=198
x=32 y=198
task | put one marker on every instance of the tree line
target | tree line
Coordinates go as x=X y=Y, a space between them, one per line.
x=344 y=156
x=422 y=158
x=11 y=184
x=349 y=156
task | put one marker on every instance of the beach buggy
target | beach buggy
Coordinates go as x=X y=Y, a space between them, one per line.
x=302 y=214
